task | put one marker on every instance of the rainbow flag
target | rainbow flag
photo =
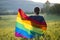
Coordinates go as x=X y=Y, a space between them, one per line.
x=24 y=27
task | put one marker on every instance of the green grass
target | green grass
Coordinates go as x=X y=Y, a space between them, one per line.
x=7 y=27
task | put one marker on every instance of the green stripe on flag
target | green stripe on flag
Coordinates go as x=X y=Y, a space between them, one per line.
x=21 y=26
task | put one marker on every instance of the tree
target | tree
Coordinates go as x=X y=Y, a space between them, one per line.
x=55 y=9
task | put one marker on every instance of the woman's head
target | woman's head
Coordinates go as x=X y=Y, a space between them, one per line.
x=36 y=10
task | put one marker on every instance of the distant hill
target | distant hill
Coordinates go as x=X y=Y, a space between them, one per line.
x=13 y=5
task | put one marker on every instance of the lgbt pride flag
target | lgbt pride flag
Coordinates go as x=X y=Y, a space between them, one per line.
x=24 y=27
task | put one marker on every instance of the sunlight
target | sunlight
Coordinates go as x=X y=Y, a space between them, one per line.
x=42 y=1
x=54 y=1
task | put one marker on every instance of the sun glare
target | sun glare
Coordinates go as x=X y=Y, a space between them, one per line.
x=43 y=1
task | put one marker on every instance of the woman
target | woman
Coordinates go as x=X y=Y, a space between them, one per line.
x=34 y=25
x=39 y=18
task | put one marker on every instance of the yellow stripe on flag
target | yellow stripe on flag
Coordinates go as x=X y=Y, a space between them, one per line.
x=27 y=24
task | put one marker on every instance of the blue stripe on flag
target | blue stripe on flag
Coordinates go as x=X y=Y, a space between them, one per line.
x=24 y=33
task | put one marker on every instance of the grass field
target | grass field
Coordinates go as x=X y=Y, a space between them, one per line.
x=7 y=27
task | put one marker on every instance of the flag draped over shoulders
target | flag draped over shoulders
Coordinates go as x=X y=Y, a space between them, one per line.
x=26 y=27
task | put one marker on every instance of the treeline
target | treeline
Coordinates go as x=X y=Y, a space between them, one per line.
x=6 y=13
x=13 y=13
x=55 y=9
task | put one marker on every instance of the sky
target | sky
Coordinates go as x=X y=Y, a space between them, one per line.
x=43 y=1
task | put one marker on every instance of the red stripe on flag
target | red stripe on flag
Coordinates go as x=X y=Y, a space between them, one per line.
x=25 y=17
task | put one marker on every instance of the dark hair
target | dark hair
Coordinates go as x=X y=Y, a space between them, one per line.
x=36 y=10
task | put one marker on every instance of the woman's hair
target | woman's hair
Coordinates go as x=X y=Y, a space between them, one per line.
x=36 y=10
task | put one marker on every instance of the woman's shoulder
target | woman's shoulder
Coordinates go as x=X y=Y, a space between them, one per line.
x=36 y=16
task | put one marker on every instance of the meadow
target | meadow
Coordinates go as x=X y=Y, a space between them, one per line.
x=7 y=27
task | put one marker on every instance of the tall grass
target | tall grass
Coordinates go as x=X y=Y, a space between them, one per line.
x=7 y=28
